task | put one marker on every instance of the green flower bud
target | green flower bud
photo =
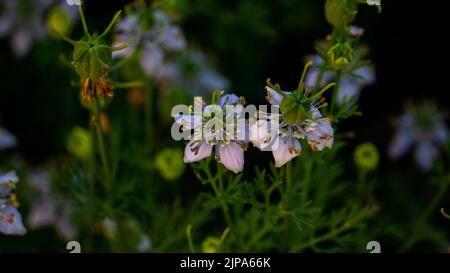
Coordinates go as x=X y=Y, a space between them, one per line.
x=91 y=58
x=79 y=143
x=340 y=12
x=292 y=110
x=211 y=245
x=169 y=163
x=340 y=55
x=367 y=157
x=59 y=20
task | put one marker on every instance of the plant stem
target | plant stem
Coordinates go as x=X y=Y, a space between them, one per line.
x=336 y=88
x=218 y=192
x=101 y=147
x=223 y=204
x=148 y=134
x=307 y=181
x=287 y=195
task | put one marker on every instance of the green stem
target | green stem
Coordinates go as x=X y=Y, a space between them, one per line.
x=335 y=93
x=101 y=147
x=148 y=113
x=128 y=85
x=307 y=181
x=287 y=194
x=223 y=204
x=111 y=24
x=83 y=20
x=189 y=237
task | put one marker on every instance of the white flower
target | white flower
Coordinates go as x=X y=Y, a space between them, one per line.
x=73 y=2
x=229 y=149
x=284 y=140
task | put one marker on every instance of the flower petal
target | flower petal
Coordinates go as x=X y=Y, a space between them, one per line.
x=15 y=225
x=425 y=154
x=401 y=142
x=151 y=58
x=196 y=150
x=231 y=156
x=287 y=149
x=228 y=99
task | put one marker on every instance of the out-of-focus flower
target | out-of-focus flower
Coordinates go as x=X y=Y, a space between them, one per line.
x=163 y=55
x=162 y=38
x=79 y=143
x=169 y=163
x=49 y=208
x=24 y=22
x=226 y=138
x=366 y=156
x=421 y=126
x=10 y=219
x=351 y=82
x=297 y=121
x=7 y=140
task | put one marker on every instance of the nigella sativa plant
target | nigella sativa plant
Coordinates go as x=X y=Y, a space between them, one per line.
x=10 y=219
x=421 y=126
x=218 y=125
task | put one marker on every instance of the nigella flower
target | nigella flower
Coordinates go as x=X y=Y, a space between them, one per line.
x=293 y=126
x=192 y=72
x=155 y=43
x=24 y=22
x=210 y=131
x=421 y=126
x=10 y=218
x=351 y=82
x=7 y=140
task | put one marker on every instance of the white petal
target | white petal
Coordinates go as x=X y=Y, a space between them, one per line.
x=273 y=97
x=425 y=154
x=401 y=142
x=151 y=58
x=348 y=89
x=287 y=149
x=196 y=150
x=189 y=122
x=73 y=2
x=7 y=140
x=16 y=227
x=260 y=134
x=228 y=100
x=231 y=156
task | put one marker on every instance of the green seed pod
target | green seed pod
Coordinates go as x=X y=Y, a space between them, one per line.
x=91 y=59
x=79 y=143
x=293 y=112
x=366 y=157
x=340 y=55
x=210 y=245
x=169 y=163
x=340 y=12
x=58 y=19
